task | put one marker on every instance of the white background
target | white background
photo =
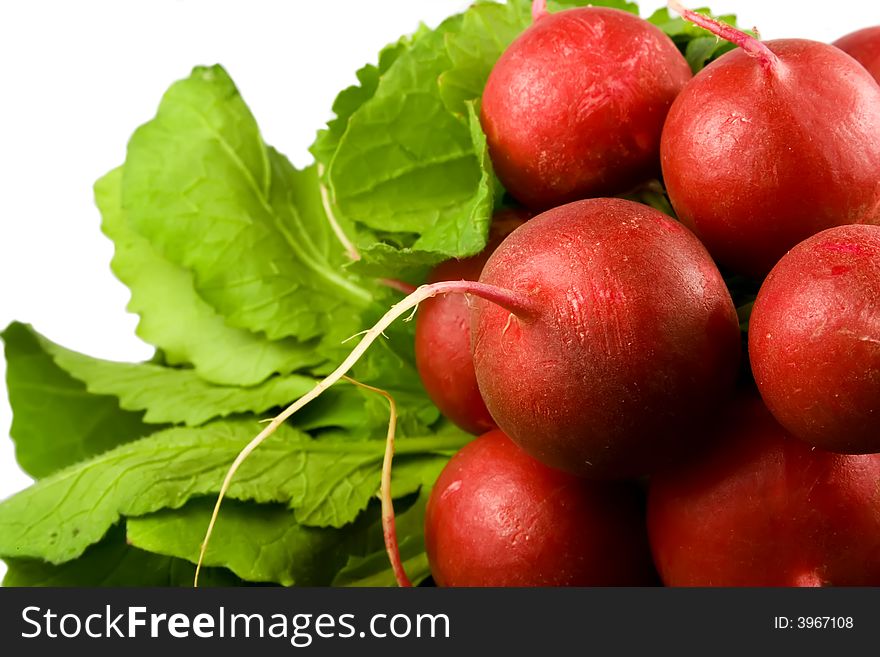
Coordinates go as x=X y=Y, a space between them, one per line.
x=78 y=77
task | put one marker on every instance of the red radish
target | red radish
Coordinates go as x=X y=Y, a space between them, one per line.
x=770 y=144
x=814 y=340
x=602 y=334
x=864 y=47
x=634 y=341
x=443 y=336
x=443 y=350
x=764 y=509
x=575 y=105
x=498 y=517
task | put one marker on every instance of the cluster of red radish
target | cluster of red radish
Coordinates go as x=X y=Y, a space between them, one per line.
x=598 y=348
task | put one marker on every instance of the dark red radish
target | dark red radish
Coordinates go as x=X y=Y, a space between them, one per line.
x=575 y=105
x=602 y=334
x=443 y=336
x=634 y=341
x=765 y=509
x=770 y=144
x=864 y=47
x=814 y=340
x=498 y=517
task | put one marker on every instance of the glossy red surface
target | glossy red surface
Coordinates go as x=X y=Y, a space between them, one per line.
x=765 y=509
x=864 y=47
x=497 y=517
x=636 y=339
x=443 y=336
x=814 y=340
x=756 y=160
x=575 y=105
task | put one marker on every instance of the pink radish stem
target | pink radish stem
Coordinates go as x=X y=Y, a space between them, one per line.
x=518 y=305
x=389 y=528
x=401 y=286
x=539 y=9
x=752 y=46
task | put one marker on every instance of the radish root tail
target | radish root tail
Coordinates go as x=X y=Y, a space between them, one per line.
x=389 y=527
x=511 y=301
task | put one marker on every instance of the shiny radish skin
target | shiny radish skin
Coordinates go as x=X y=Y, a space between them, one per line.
x=765 y=509
x=443 y=349
x=498 y=517
x=814 y=340
x=575 y=106
x=443 y=336
x=759 y=154
x=863 y=46
x=636 y=342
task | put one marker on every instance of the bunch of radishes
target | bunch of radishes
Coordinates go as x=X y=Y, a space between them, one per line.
x=597 y=347
x=603 y=343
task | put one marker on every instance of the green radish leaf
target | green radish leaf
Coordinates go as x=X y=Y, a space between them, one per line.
x=410 y=163
x=695 y=43
x=329 y=481
x=445 y=238
x=352 y=98
x=57 y=518
x=461 y=236
x=175 y=319
x=257 y=542
x=346 y=103
x=699 y=51
x=387 y=259
x=371 y=567
x=375 y=167
x=201 y=185
x=487 y=29
x=652 y=193
x=407 y=167
x=678 y=28
x=560 y=5
x=56 y=421
x=113 y=563
x=146 y=387
x=374 y=569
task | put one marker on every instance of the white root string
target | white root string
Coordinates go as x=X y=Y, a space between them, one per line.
x=347 y=244
x=513 y=302
x=357 y=335
x=389 y=526
x=411 y=316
